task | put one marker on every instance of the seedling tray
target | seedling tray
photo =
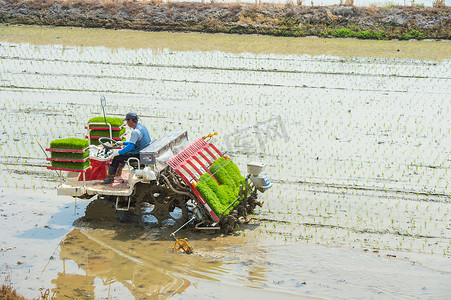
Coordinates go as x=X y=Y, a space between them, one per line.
x=67 y=159
x=107 y=133
x=66 y=150
x=114 y=122
x=69 y=170
x=103 y=128
x=73 y=144
x=69 y=155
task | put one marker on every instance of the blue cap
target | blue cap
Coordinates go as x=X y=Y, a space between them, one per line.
x=130 y=115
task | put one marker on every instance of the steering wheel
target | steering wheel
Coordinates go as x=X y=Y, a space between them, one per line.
x=108 y=143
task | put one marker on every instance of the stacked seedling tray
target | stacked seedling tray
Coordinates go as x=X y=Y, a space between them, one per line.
x=71 y=154
x=220 y=187
x=98 y=127
x=216 y=180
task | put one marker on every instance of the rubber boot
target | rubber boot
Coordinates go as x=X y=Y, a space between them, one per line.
x=110 y=177
x=119 y=169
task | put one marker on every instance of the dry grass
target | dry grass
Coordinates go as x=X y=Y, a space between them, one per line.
x=373 y=9
x=36 y=4
x=91 y=4
x=132 y=7
x=439 y=3
x=227 y=13
x=347 y=2
x=8 y=293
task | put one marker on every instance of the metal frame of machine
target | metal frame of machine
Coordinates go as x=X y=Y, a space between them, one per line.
x=162 y=181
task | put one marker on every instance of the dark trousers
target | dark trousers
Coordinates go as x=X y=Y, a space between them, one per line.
x=117 y=160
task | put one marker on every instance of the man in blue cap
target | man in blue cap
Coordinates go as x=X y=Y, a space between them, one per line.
x=139 y=139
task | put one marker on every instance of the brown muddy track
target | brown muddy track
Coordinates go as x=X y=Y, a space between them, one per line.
x=270 y=19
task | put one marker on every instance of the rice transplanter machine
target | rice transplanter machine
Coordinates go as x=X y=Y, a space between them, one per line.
x=173 y=183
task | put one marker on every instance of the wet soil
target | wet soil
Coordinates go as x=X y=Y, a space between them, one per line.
x=268 y=19
x=259 y=44
x=123 y=262
x=361 y=197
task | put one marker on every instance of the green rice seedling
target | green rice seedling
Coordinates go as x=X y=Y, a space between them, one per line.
x=114 y=122
x=65 y=155
x=231 y=169
x=229 y=177
x=71 y=165
x=209 y=195
x=70 y=143
x=106 y=133
x=221 y=174
x=217 y=196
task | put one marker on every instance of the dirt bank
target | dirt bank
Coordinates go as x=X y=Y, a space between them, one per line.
x=270 y=19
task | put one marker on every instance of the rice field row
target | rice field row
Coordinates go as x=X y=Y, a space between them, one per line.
x=365 y=161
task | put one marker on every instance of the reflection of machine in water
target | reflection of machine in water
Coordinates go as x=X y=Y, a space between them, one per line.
x=136 y=264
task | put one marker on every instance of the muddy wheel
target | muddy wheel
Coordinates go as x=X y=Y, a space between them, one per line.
x=228 y=225
x=242 y=212
x=101 y=210
x=251 y=206
x=129 y=216
x=162 y=206
x=251 y=203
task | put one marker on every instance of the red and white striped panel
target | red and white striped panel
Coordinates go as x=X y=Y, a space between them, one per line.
x=192 y=163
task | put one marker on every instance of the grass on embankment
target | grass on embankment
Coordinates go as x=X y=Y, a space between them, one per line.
x=276 y=19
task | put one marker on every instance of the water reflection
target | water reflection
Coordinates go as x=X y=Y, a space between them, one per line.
x=145 y=265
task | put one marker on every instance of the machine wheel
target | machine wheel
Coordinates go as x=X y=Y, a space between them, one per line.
x=228 y=224
x=251 y=202
x=101 y=209
x=161 y=205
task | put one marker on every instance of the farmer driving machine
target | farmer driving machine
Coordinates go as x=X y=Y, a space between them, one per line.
x=174 y=182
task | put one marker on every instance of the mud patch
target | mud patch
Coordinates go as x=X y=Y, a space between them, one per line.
x=128 y=262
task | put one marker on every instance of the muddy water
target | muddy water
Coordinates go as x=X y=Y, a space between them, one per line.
x=358 y=150
x=114 y=39
x=124 y=262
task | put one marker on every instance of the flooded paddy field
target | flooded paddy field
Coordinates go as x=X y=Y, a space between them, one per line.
x=357 y=147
